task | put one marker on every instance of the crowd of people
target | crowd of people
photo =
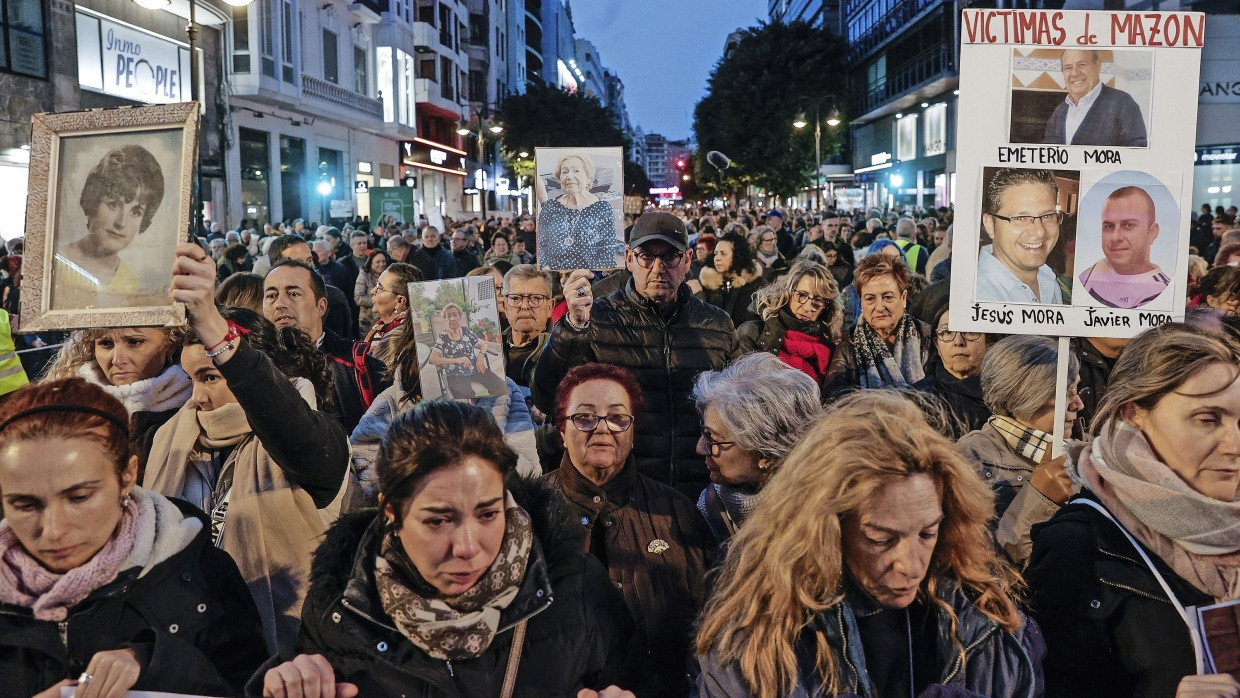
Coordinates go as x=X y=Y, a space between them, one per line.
x=754 y=460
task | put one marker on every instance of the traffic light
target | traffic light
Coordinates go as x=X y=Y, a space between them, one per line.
x=680 y=163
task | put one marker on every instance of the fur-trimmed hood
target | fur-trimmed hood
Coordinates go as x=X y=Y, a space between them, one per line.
x=712 y=280
x=556 y=530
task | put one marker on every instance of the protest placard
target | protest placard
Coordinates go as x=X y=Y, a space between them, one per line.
x=580 y=194
x=1075 y=180
x=460 y=349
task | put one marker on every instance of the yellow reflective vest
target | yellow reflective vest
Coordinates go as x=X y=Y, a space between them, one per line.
x=12 y=375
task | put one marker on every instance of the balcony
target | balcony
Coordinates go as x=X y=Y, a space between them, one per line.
x=428 y=91
x=888 y=27
x=315 y=89
x=368 y=11
x=926 y=68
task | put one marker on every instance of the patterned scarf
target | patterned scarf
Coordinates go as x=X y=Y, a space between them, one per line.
x=1031 y=443
x=25 y=582
x=381 y=328
x=883 y=367
x=1195 y=535
x=458 y=627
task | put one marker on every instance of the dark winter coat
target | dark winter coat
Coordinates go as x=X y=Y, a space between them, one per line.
x=1109 y=626
x=978 y=659
x=666 y=356
x=1095 y=374
x=664 y=585
x=346 y=387
x=190 y=620
x=736 y=295
x=768 y=336
x=962 y=397
x=579 y=635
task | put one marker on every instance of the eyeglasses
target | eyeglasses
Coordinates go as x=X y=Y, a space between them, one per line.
x=765 y=240
x=946 y=336
x=815 y=302
x=534 y=300
x=1048 y=220
x=646 y=260
x=588 y=421
x=380 y=289
x=715 y=447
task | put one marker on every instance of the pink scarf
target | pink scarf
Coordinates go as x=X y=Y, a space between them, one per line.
x=806 y=353
x=27 y=583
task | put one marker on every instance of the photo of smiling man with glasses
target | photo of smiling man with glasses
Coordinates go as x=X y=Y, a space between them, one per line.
x=1022 y=217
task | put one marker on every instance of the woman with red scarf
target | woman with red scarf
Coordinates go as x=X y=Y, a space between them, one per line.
x=802 y=324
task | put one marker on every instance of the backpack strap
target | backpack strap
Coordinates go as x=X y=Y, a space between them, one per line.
x=365 y=381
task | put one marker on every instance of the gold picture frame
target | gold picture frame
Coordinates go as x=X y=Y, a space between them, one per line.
x=125 y=177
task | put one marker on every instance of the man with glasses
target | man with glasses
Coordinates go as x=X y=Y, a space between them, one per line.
x=1021 y=216
x=655 y=328
x=1125 y=277
x=466 y=260
x=527 y=305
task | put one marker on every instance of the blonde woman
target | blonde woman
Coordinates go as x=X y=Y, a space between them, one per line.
x=867 y=570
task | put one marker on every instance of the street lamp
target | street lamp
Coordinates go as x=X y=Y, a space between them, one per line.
x=800 y=123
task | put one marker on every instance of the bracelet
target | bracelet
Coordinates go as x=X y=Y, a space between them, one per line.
x=229 y=341
x=573 y=325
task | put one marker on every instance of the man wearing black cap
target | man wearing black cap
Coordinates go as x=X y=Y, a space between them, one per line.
x=655 y=328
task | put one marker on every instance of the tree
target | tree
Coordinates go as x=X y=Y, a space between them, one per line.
x=754 y=93
x=546 y=116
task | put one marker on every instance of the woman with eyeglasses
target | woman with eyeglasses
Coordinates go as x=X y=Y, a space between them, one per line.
x=1012 y=452
x=753 y=412
x=801 y=324
x=390 y=303
x=647 y=534
x=764 y=243
x=953 y=373
x=376 y=263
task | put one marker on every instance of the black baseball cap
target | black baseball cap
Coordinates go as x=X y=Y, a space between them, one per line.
x=657 y=225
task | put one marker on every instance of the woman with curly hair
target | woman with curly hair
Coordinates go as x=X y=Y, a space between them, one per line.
x=251 y=447
x=867 y=570
x=136 y=365
x=732 y=278
x=802 y=324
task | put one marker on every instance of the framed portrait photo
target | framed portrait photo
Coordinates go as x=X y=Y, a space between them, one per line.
x=110 y=198
x=580 y=193
x=460 y=347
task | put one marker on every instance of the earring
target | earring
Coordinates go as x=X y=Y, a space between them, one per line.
x=126 y=501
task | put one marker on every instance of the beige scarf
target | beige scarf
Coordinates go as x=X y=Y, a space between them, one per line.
x=272 y=525
x=1198 y=537
x=459 y=627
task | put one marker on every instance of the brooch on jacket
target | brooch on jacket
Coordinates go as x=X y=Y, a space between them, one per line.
x=657 y=546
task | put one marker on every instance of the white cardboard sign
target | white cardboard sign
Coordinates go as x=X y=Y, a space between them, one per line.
x=1074 y=167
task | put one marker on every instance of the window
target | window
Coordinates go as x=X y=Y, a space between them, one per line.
x=255 y=178
x=445 y=79
x=361 y=81
x=292 y=169
x=426 y=70
x=477 y=86
x=331 y=58
x=241 y=39
x=287 y=32
x=478 y=28
x=445 y=25
x=403 y=10
x=426 y=12
x=23 y=40
x=386 y=82
x=404 y=64
x=266 y=22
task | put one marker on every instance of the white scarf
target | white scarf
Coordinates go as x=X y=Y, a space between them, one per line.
x=167 y=391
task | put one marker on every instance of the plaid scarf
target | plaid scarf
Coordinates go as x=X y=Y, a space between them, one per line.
x=458 y=627
x=882 y=367
x=1033 y=444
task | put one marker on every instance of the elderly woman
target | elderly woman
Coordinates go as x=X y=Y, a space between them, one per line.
x=954 y=371
x=801 y=324
x=389 y=301
x=764 y=242
x=866 y=570
x=501 y=250
x=136 y=365
x=753 y=412
x=251 y=447
x=464 y=575
x=577 y=229
x=732 y=278
x=890 y=346
x=1153 y=530
x=1012 y=452
x=100 y=580
x=462 y=355
x=649 y=537
x=376 y=263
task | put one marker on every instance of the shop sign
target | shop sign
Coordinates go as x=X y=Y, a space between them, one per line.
x=125 y=61
x=429 y=155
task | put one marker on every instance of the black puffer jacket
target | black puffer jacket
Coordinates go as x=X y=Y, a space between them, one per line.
x=962 y=397
x=665 y=355
x=1109 y=626
x=734 y=295
x=768 y=336
x=190 y=620
x=580 y=633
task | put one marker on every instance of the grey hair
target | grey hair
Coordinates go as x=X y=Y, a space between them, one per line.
x=906 y=229
x=764 y=402
x=527 y=272
x=1018 y=375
